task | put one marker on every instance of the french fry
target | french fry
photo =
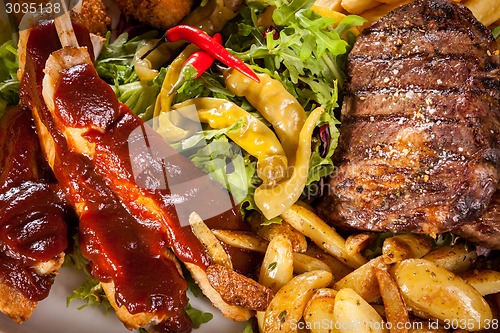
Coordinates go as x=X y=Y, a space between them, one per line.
x=358 y=242
x=395 y=309
x=486 y=281
x=405 y=246
x=318 y=314
x=486 y=12
x=277 y=266
x=358 y=6
x=289 y=303
x=303 y=263
x=338 y=269
x=379 y=308
x=268 y=232
x=310 y=225
x=354 y=314
x=334 y=5
x=438 y=292
x=337 y=15
x=241 y=239
x=376 y=13
x=209 y=241
x=363 y=280
x=456 y=259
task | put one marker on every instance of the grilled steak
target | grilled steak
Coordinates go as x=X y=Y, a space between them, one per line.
x=419 y=149
x=486 y=229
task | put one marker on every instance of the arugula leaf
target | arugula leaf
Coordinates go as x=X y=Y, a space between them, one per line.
x=308 y=56
x=286 y=10
x=198 y=317
x=115 y=63
x=223 y=161
x=9 y=84
x=249 y=327
x=90 y=292
x=496 y=32
x=140 y=96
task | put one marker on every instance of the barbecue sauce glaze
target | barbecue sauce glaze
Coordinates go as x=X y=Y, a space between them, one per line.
x=32 y=224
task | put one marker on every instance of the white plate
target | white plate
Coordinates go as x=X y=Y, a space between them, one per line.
x=52 y=315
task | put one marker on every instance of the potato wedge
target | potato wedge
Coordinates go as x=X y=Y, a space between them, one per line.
x=209 y=241
x=486 y=281
x=268 y=232
x=395 y=309
x=233 y=312
x=303 y=263
x=338 y=269
x=287 y=306
x=241 y=239
x=432 y=289
x=318 y=314
x=456 y=259
x=487 y=12
x=237 y=289
x=310 y=225
x=277 y=267
x=359 y=242
x=354 y=315
x=405 y=246
x=363 y=280
x=260 y=315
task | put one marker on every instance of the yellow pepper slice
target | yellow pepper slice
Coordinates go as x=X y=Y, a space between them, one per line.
x=254 y=136
x=162 y=122
x=274 y=103
x=274 y=201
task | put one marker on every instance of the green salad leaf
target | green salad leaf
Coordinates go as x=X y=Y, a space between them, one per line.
x=249 y=327
x=9 y=84
x=198 y=317
x=496 y=32
x=115 y=65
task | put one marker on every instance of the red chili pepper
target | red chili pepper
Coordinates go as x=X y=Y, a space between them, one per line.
x=206 y=43
x=200 y=61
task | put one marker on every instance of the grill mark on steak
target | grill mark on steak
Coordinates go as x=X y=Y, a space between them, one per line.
x=434 y=104
x=427 y=73
x=408 y=43
x=419 y=149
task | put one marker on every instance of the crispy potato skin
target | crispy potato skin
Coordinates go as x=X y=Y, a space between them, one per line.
x=160 y=14
x=237 y=289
